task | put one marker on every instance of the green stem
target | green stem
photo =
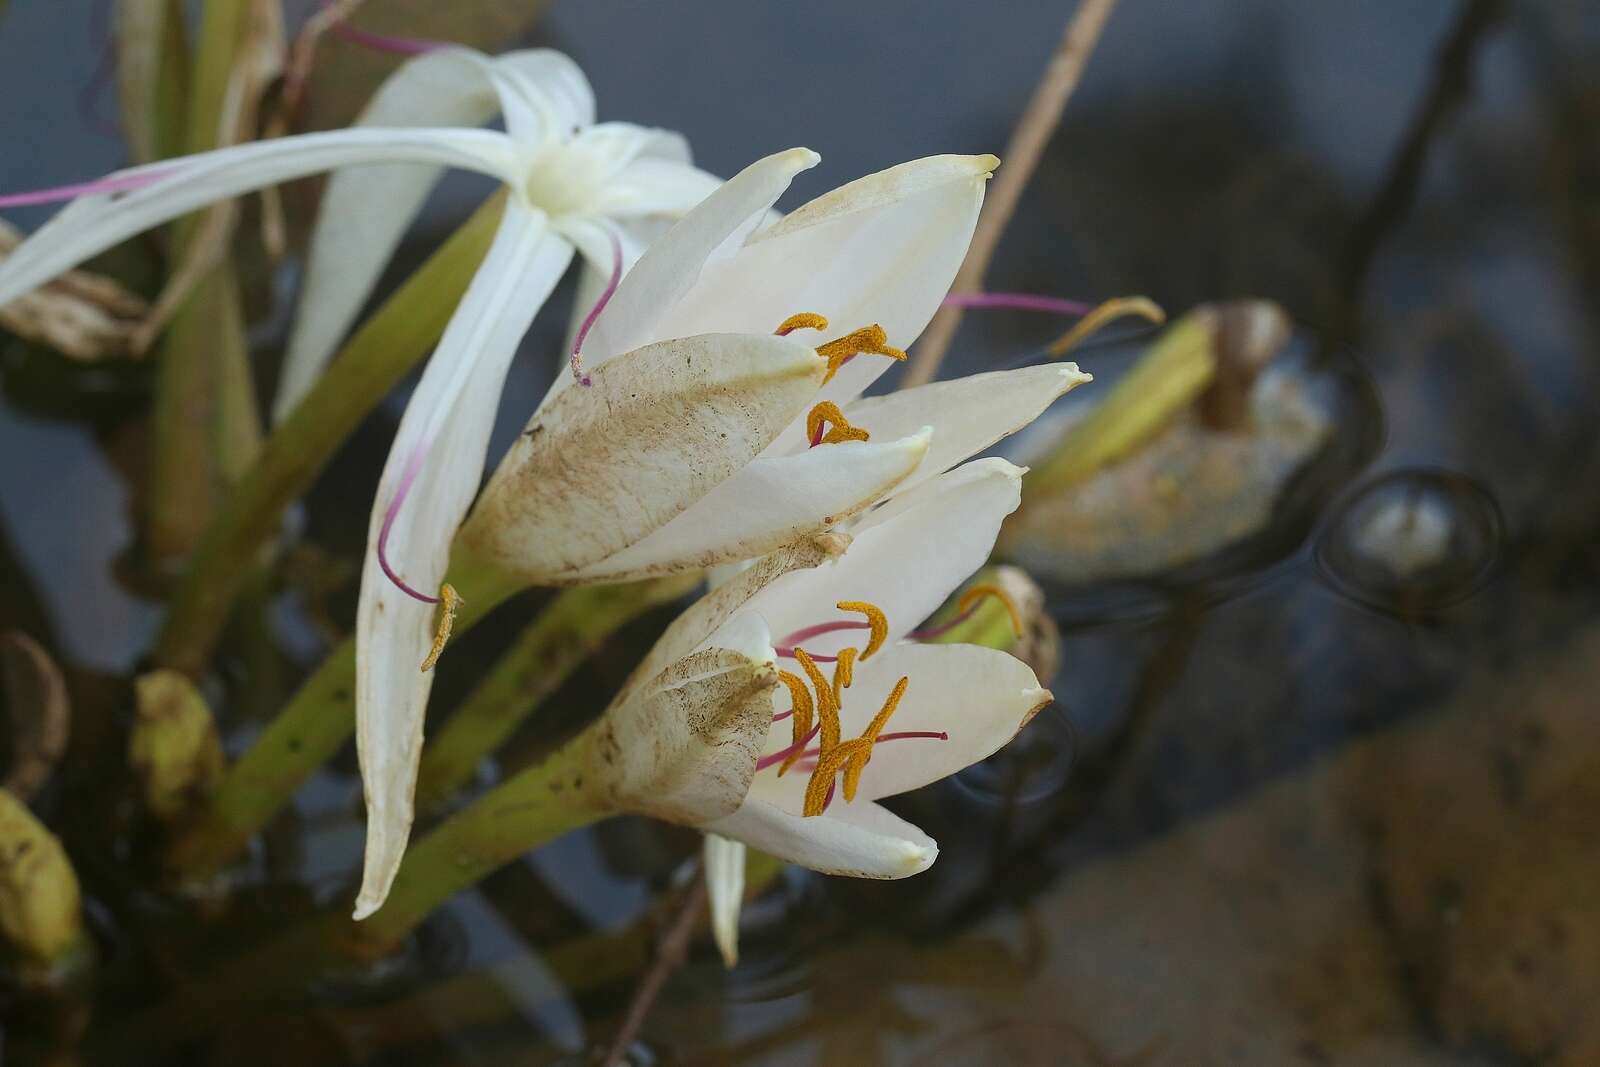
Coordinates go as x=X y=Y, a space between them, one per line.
x=222 y=25
x=387 y=346
x=304 y=736
x=205 y=339
x=204 y=417
x=566 y=632
x=526 y=811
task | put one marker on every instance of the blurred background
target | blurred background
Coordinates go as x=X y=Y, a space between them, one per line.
x=1319 y=783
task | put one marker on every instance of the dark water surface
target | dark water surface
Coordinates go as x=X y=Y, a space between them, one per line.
x=1326 y=798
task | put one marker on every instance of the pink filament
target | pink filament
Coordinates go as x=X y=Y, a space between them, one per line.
x=407 y=476
x=783 y=753
x=928 y=633
x=594 y=312
x=902 y=735
x=782 y=715
x=115 y=184
x=379 y=42
x=1017 y=302
x=786 y=647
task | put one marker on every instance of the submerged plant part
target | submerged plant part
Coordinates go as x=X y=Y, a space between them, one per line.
x=173 y=745
x=41 y=908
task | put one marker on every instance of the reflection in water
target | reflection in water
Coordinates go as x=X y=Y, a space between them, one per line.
x=1412 y=541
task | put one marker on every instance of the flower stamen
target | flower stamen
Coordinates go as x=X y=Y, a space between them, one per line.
x=407 y=476
x=1121 y=307
x=966 y=605
x=869 y=340
x=827 y=413
x=116 y=183
x=594 y=313
x=877 y=622
x=449 y=603
x=802 y=709
x=827 y=709
x=804 y=320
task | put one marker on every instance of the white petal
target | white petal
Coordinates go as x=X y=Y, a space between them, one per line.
x=692 y=629
x=684 y=746
x=364 y=213
x=769 y=503
x=967 y=414
x=673 y=263
x=601 y=467
x=980 y=696
x=656 y=187
x=883 y=249
x=91 y=224
x=860 y=840
x=724 y=864
x=906 y=561
x=561 y=92
x=449 y=418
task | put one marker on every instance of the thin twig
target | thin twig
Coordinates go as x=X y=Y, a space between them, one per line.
x=1028 y=140
x=670 y=954
x=1448 y=91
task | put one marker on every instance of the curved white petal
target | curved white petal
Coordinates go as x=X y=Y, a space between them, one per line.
x=603 y=467
x=881 y=249
x=91 y=224
x=860 y=840
x=724 y=864
x=979 y=696
x=683 y=747
x=769 y=503
x=906 y=560
x=673 y=263
x=968 y=414
x=554 y=86
x=691 y=629
x=447 y=422
x=364 y=213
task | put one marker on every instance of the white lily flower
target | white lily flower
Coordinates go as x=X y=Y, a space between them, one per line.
x=866 y=265
x=950 y=705
x=692 y=444
x=697 y=442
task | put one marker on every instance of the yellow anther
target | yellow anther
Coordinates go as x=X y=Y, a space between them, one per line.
x=827 y=709
x=875 y=618
x=843 y=674
x=839 y=428
x=1123 y=306
x=971 y=597
x=805 y=320
x=880 y=720
x=449 y=603
x=822 y=778
x=861 y=755
x=869 y=340
x=803 y=708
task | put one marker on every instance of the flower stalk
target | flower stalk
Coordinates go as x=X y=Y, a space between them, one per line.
x=566 y=633
x=380 y=353
x=205 y=404
x=526 y=811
